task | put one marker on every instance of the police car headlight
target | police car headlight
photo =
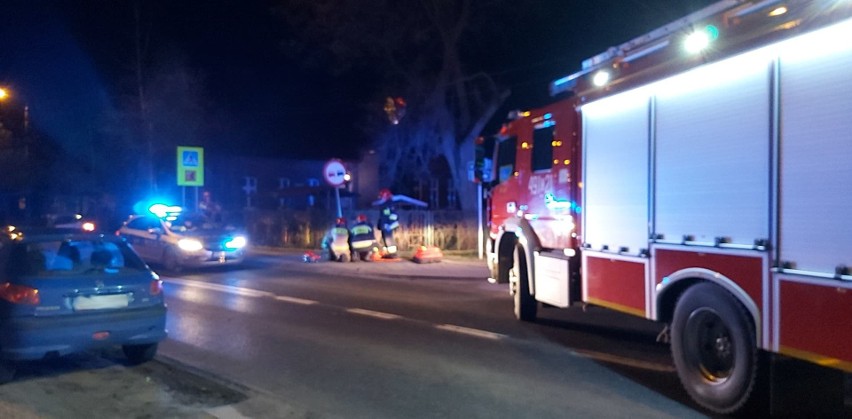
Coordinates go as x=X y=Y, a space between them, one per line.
x=190 y=245
x=237 y=242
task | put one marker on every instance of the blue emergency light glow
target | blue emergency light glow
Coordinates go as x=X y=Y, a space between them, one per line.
x=169 y=212
x=237 y=242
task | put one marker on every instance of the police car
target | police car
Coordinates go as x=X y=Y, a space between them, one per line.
x=173 y=239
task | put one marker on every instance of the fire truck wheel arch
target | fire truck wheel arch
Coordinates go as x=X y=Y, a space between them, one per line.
x=678 y=282
x=509 y=240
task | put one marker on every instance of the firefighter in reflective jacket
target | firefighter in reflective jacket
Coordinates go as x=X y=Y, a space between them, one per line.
x=361 y=238
x=336 y=242
x=388 y=222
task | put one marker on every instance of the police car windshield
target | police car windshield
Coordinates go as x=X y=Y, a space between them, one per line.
x=190 y=222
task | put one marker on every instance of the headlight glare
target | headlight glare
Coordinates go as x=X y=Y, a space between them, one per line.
x=190 y=245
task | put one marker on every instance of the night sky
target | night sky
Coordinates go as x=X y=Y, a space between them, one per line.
x=71 y=62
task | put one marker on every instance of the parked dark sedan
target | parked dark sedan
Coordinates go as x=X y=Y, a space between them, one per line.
x=65 y=291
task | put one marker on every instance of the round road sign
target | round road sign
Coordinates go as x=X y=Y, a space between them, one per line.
x=334 y=172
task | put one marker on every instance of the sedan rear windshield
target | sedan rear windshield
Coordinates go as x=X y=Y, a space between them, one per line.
x=71 y=257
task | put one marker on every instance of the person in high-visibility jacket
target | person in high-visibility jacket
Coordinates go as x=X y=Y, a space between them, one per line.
x=362 y=239
x=388 y=222
x=336 y=242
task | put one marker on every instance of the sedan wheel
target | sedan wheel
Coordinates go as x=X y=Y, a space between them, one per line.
x=171 y=263
x=7 y=371
x=138 y=354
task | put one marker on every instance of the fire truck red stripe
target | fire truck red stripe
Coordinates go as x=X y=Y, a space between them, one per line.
x=814 y=319
x=615 y=283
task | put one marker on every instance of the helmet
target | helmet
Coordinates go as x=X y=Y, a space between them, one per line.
x=361 y=218
x=385 y=194
x=340 y=221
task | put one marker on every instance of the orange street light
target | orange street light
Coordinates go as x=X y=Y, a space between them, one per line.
x=3 y=93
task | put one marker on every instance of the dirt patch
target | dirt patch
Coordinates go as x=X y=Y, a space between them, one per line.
x=103 y=385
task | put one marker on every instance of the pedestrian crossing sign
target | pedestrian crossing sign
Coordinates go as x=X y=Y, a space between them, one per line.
x=190 y=166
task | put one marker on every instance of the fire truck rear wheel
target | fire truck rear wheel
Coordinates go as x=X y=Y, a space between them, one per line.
x=714 y=350
x=526 y=307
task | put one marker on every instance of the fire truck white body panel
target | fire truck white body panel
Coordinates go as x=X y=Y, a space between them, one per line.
x=711 y=151
x=615 y=183
x=816 y=156
x=732 y=177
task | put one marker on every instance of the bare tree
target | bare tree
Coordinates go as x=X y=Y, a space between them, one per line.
x=414 y=48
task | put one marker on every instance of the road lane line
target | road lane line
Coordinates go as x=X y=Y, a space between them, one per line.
x=613 y=359
x=371 y=313
x=295 y=300
x=249 y=292
x=229 y=289
x=470 y=332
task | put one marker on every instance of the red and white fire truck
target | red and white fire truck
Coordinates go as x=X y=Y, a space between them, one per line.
x=700 y=176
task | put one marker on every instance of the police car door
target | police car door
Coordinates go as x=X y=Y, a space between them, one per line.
x=143 y=235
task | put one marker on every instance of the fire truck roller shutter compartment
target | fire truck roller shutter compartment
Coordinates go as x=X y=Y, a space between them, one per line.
x=814 y=292
x=616 y=168
x=712 y=148
x=816 y=153
x=616 y=195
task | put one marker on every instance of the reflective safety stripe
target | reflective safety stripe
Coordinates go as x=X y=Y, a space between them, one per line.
x=362 y=244
x=361 y=229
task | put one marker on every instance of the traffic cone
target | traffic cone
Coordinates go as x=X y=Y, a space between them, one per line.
x=429 y=254
x=375 y=255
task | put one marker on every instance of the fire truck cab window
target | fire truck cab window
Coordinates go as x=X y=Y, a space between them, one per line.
x=542 y=152
x=506 y=152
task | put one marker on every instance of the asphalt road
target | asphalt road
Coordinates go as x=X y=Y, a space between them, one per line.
x=286 y=339
x=358 y=341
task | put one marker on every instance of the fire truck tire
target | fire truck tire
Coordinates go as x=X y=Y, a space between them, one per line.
x=526 y=307
x=714 y=350
x=344 y=257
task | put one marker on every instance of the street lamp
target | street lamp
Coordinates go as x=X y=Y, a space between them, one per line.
x=6 y=94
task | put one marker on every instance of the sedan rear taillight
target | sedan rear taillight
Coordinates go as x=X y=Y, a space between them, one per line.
x=19 y=294
x=156 y=287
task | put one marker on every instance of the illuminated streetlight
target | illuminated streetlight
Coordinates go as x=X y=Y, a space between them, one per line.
x=3 y=94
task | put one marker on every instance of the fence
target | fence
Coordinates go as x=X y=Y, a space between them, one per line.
x=449 y=230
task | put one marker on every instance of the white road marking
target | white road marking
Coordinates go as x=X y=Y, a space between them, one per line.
x=229 y=289
x=295 y=300
x=249 y=292
x=470 y=332
x=376 y=314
